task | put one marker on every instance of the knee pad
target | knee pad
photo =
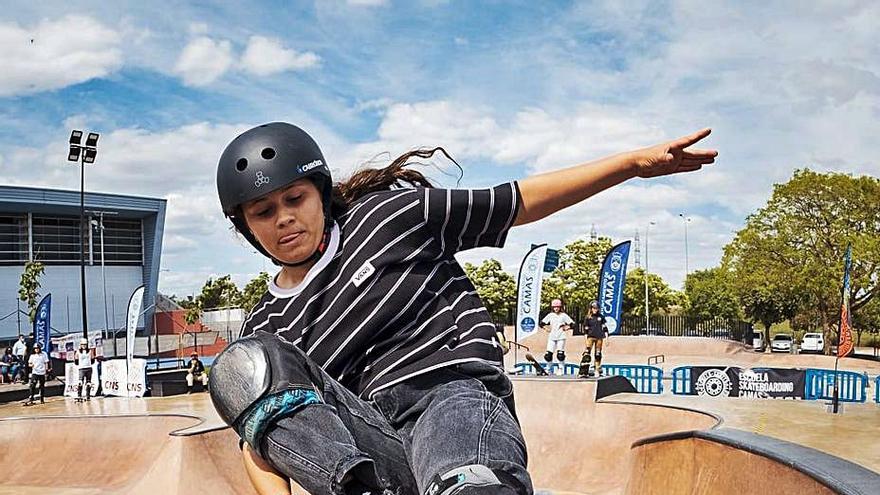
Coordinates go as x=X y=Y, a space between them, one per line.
x=259 y=380
x=548 y=356
x=585 y=359
x=598 y=355
x=560 y=355
x=472 y=479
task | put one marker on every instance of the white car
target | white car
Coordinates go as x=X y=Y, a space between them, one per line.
x=812 y=342
x=781 y=343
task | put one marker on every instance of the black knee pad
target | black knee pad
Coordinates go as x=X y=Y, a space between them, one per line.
x=560 y=355
x=548 y=356
x=598 y=355
x=473 y=480
x=585 y=359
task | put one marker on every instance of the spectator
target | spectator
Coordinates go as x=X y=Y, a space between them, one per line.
x=559 y=323
x=40 y=367
x=196 y=372
x=9 y=366
x=19 y=350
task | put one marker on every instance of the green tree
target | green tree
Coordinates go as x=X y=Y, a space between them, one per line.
x=576 y=279
x=216 y=293
x=710 y=294
x=496 y=287
x=29 y=286
x=789 y=255
x=253 y=291
x=867 y=318
x=661 y=297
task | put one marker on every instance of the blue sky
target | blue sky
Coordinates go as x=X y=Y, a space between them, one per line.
x=509 y=88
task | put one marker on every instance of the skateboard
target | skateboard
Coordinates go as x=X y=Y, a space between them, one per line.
x=539 y=369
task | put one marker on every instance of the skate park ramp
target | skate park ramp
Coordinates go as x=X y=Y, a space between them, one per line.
x=576 y=445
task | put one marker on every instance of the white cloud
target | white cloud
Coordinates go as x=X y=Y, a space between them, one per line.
x=367 y=3
x=266 y=56
x=56 y=53
x=203 y=61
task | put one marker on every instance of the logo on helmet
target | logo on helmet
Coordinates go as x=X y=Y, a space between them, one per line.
x=262 y=180
x=313 y=164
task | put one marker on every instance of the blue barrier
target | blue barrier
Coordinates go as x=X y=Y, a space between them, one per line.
x=877 y=389
x=526 y=368
x=852 y=386
x=681 y=380
x=646 y=379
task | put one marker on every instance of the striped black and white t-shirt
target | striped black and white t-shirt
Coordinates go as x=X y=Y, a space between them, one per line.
x=388 y=301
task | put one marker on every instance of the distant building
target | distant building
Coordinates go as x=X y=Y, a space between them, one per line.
x=44 y=224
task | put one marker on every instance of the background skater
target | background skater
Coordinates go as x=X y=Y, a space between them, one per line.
x=558 y=323
x=40 y=367
x=596 y=331
x=84 y=366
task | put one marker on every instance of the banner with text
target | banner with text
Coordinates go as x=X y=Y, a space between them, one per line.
x=131 y=319
x=756 y=383
x=43 y=323
x=611 y=282
x=71 y=380
x=528 y=298
x=115 y=380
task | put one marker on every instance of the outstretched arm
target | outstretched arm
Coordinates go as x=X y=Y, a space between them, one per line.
x=545 y=194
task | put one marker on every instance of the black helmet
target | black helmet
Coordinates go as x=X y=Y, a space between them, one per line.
x=266 y=158
x=594 y=304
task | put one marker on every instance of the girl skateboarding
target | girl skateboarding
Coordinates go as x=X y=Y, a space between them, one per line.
x=370 y=365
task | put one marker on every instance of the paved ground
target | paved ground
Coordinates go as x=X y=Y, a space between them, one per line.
x=575 y=444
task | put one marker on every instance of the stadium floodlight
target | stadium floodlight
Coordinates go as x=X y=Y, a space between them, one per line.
x=89 y=155
x=83 y=154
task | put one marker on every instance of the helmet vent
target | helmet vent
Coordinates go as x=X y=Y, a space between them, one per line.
x=268 y=153
x=241 y=164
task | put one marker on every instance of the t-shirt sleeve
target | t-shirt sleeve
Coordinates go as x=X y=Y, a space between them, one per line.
x=546 y=320
x=568 y=320
x=463 y=219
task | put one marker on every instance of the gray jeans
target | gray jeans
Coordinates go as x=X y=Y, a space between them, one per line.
x=410 y=433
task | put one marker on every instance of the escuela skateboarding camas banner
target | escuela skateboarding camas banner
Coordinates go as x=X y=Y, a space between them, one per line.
x=758 y=383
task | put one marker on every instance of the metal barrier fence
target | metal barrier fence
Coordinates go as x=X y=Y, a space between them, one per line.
x=877 y=389
x=646 y=379
x=681 y=380
x=527 y=368
x=852 y=386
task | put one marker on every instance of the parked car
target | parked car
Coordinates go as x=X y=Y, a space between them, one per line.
x=781 y=343
x=652 y=331
x=812 y=342
x=758 y=343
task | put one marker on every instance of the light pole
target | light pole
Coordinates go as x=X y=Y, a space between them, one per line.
x=647 y=311
x=687 y=220
x=99 y=225
x=84 y=154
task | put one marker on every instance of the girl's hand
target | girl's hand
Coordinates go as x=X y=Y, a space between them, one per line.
x=672 y=157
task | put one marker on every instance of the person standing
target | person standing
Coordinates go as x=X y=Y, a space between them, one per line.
x=84 y=366
x=558 y=323
x=196 y=372
x=40 y=367
x=19 y=350
x=596 y=333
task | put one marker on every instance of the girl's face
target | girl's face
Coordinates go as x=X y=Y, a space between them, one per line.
x=288 y=222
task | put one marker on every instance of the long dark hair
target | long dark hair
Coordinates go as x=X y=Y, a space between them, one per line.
x=393 y=176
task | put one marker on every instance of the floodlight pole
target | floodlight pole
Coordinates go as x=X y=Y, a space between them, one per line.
x=82 y=243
